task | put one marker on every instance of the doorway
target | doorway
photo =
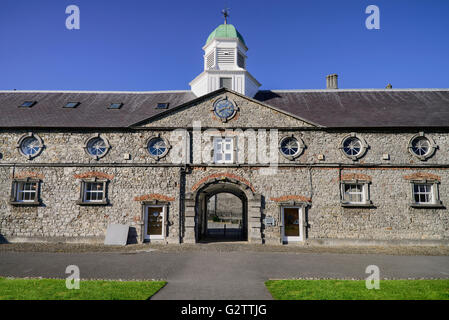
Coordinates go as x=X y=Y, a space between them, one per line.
x=154 y=222
x=292 y=224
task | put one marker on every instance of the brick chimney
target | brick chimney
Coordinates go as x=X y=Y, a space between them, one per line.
x=332 y=81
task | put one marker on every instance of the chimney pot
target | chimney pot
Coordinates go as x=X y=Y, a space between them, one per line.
x=332 y=81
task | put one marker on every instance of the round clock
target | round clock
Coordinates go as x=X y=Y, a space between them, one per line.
x=224 y=109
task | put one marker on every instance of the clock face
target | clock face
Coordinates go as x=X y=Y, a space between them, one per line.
x=224 y=109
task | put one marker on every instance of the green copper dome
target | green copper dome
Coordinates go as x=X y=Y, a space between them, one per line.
x=225 y=31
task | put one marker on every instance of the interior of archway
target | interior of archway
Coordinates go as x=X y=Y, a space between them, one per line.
x=222 y=214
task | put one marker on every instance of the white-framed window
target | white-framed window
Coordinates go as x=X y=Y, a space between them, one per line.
x=353 y=146
x=224 y=150
x=30 y=145
x=25 y=192
x=93 y=192
x=422 y=146
x=355 y=193
x=425 y=193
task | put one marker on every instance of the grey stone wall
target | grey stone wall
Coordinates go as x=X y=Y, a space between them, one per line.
x=60 y=215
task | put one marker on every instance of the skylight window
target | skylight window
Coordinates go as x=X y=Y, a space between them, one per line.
x=115 y=105
x=28 y=104
x=162 y=105
x=72 y=105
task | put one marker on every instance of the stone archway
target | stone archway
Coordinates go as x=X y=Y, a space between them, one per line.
x=195 y=202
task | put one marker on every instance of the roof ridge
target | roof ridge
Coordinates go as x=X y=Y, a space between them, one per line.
x=356 y=90
x=89 y=91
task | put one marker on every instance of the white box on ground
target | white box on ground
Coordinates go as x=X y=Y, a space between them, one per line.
x=116 y=234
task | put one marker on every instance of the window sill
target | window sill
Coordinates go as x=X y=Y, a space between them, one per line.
x=83 y=203
x=24 y=204
x=427 y=205
x=357 y=205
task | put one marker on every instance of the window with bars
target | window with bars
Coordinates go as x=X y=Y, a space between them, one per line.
x=93 y=192
x=223 y=150
x=25 y=192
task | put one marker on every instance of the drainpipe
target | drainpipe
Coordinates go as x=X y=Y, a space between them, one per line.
x=182 y=179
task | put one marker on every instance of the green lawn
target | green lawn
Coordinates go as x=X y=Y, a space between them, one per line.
x=54 y=289
x=356 y=290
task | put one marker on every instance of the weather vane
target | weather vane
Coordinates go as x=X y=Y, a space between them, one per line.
x=226 y=14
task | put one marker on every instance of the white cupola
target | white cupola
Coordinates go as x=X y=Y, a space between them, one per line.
x=225 y=64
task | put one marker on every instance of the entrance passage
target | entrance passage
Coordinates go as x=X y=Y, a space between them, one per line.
x=224 y=217
x=222 y=210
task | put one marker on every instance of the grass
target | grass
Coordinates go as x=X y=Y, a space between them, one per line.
x=356 y=290
x=55 y=289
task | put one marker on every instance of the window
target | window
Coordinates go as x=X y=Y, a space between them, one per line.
x=223 y=150
x=425 y=193
x=25 y=192
x=115 y=105
x=97 y=146
x=158 y=147
x=291 y=147
x=93 y=192
x=162 y=106
x=28 y=104
x=71 y=105
x=422 y=193
x=30 y=145
x=353 y=147
x=355 y=193
x=421 y=146
x=226 y=83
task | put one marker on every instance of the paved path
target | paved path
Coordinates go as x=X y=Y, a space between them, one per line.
x=218 y=275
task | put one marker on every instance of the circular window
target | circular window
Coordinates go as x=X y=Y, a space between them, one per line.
x=421 y=146
x=224 y=109
x=353 y=147
x=290 y=147
x=97 y=147
x=157 y=147
x=30 y=145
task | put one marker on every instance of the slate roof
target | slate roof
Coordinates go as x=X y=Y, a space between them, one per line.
x=364 y=108
x=92 y=112
x=327 y=108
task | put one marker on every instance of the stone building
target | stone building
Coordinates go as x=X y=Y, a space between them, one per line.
x=327 y=166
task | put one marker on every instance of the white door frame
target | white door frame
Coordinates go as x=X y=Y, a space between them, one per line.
x=301 y=224
x=164 y=214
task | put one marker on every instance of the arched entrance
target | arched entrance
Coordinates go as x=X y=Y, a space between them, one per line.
x=222 y=213
x=196 y=220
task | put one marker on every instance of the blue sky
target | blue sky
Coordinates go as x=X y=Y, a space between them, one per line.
x=146 y=45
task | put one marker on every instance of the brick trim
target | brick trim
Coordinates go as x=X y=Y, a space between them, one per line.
x=422 y=176
x=290 y=198
x=355 y=176
x=154 y=196
x=28 y=174
x=223 y=176
x=94 y=174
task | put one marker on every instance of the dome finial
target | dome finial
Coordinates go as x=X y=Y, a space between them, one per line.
x=226 y=14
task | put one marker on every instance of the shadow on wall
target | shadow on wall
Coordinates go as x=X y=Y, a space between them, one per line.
x=3 y=239
x=132 y=236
